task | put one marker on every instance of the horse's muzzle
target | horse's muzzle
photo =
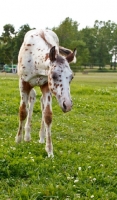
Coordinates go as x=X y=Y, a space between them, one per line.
x=67 y=106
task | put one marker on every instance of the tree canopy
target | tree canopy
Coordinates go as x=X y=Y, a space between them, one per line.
x=95 y=46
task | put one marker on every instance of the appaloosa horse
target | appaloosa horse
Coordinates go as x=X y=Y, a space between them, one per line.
x=41 y=62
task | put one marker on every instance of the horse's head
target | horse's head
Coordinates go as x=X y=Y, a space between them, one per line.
x=59 y=78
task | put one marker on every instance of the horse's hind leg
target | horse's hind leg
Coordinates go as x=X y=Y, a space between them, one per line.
x=22 y=113
x=24 y=93
x=31 y=101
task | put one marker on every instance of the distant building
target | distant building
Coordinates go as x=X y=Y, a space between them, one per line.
x=113 y=52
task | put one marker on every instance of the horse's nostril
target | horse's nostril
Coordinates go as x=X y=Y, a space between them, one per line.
x=64 y=105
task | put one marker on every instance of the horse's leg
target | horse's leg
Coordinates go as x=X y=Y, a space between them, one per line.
x=31 y=101
x=24 y=93
x=47 y=118
x=42 y=132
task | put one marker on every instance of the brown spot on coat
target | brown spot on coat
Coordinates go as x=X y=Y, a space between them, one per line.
x=59 y=96
x=20 y=60
x=46 y=56
x=57 y=85
x=50 y=83
x=26 y=87
x=22 y=112
x=48 y=98
x=48 y=115
x=44 y=88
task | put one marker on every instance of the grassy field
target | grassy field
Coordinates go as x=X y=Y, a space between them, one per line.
x=85 y=144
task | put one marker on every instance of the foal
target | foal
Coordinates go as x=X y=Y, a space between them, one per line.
x=40 y=64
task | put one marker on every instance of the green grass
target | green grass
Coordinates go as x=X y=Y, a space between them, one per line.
x=85 y=144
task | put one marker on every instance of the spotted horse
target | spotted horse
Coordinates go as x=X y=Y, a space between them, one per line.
x=42 y=62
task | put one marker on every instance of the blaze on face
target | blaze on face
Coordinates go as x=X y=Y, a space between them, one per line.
x=59 y=78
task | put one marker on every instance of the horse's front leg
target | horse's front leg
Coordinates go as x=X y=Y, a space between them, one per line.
x=47 y=118
x=42 y=133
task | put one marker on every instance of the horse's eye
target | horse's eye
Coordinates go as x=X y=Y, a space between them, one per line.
x=54 y=76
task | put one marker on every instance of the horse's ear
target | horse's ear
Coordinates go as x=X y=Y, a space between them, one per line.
x=52 y=54
x=70 y=57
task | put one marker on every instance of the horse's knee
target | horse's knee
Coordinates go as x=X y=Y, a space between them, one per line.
x=22 y=112
x=32 y=95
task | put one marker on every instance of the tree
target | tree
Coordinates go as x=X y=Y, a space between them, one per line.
x=10 y=43
x=106 y=39
x=1 y=55
x=18 y=40
x=99 y=40
x=95 y=46
x=88 y=36
x=67 y=32
x=69 y=37
x=82 y=52
x=7 y=43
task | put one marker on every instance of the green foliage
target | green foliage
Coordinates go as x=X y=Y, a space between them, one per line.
x=94 y=45
x=11 y=42
x=69 y=37
x=67 y=32
x=82 y=53
x=19 y=39
x=100 y=41
x=9 y=31
x=85 y=144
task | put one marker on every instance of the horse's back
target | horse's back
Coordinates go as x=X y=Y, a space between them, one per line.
x=46 y=36
x=34 y=50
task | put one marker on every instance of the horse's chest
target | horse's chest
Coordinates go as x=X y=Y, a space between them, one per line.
x=38 y=81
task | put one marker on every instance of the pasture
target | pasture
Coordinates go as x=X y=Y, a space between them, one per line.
x=85 y=144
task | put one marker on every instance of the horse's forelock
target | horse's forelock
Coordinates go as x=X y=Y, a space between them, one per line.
x=60 y=59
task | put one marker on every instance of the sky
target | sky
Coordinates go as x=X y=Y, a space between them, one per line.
x=50 y=13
